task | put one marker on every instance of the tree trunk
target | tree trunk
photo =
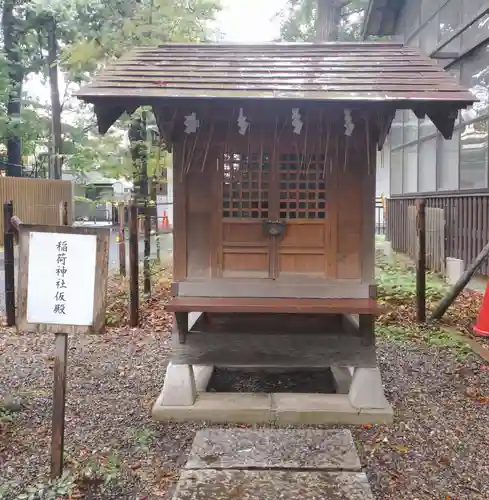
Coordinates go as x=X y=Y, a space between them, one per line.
x=139 y=154
x=328 y=20
x=16 y=76
x=56 y=159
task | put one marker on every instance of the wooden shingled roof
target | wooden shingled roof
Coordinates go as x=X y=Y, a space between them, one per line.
x=362 y=71
x=385 y=75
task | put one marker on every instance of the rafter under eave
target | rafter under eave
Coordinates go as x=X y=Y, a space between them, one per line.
x=444 y=121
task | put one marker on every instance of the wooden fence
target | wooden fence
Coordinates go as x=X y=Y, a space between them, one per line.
x=435 y=237
x=36 y=201
x=402 y=233
x=466 y=223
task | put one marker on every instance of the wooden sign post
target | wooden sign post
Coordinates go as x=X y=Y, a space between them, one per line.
x=62 y=290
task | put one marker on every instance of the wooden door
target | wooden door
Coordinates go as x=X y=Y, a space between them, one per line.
x=301 y=252
x=291 y=190
x=246 y=192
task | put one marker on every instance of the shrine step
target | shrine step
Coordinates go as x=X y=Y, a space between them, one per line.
x=273 y=463
x=274 y=305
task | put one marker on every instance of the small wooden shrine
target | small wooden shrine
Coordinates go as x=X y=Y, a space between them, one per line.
x=274 y=156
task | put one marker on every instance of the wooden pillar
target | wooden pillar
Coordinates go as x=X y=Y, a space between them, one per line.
x=63 y=213
x=122 y=239
x=421 y=261
x=133 y=265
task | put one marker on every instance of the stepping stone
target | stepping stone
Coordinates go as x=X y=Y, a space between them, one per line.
x=323 y=450
x=212 y=484
x=272 y=464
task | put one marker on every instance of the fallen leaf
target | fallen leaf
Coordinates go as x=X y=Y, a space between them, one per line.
x=472 y=392
x=402 y=448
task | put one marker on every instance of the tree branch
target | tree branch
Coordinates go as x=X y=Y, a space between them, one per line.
x=65 y=96
x=351 y=12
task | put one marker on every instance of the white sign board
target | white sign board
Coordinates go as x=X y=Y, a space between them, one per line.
x=61 y=278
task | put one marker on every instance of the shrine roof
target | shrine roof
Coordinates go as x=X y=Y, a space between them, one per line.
x=356 y=71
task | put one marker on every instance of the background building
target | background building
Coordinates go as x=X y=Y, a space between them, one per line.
x=417 y=161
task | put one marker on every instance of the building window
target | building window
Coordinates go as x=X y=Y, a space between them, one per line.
x=474 y=156
x=410 y=126
x=410 y=169
x=427 y=165
x=447 y=162
x=429 y=36
x=475 y=75
x=412 y=16
x=475 y=33
x=383 y=170
x=426 y=127
x=450 y=19
x=396 y=136
x=396 y=172
x=428 y=8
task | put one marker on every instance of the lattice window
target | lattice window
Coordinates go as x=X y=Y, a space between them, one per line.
x=246 y=183
x=302 y=187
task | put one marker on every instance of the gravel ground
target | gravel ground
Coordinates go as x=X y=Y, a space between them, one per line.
x=299 y=381
x=436 y=449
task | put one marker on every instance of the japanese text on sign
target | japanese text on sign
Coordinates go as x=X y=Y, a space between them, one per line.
x=61 y=270
x=61 y=278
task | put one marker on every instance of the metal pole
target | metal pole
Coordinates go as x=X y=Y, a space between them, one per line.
x=9 y=262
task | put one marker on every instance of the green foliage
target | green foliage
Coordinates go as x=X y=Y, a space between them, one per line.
x=101 y=471
x=428 y=334
x=28 y=125
x=103 y=30
x=142 y=437
x=96 y=471
x=89 y=33
x=396 y=286
x=298 y=20
x=58 y=488
x=398 y=282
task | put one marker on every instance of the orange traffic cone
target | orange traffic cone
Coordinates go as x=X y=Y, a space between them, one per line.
x=481 y=328
x=164 y=223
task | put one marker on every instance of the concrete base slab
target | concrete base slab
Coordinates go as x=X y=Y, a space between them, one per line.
x=219 y=407
x=271 y=485
x=286 y=408
x=274 y=449
x=318 y=409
